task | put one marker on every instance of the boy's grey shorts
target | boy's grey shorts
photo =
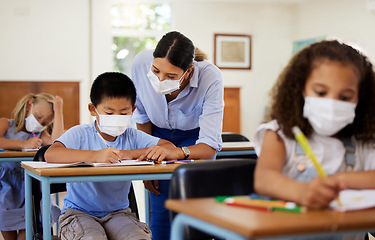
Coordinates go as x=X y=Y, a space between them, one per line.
x=119 y=225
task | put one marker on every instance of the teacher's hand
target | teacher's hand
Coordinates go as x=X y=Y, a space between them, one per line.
x=152 y=185
x=155 y=153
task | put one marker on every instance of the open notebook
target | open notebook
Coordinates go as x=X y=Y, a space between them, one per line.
x=85 y=164
x=355 y=200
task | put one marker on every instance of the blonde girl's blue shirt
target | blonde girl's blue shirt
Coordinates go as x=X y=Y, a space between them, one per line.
x=100 y=198
x=199 y=104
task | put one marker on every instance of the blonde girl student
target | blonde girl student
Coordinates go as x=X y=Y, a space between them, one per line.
x=327 y=90
x=32 y=115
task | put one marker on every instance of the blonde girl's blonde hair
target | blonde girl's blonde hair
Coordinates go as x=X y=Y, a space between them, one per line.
x=20 y=111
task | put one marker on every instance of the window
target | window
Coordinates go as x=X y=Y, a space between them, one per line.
x=136 y=26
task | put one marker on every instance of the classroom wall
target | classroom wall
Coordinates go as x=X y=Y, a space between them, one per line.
x=70 y=40
x=349 y=20
x=45 y=40
x=271 y=27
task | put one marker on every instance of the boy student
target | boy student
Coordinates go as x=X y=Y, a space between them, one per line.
x=99 y=210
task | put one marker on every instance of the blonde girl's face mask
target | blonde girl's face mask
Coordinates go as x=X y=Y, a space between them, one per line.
x=166 y=86
x=31 y=124
x=328 y=116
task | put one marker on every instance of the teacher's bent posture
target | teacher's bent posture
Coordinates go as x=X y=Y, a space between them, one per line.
x=180 y=99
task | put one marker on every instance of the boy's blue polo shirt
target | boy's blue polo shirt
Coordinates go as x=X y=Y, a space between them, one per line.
x=100 y=198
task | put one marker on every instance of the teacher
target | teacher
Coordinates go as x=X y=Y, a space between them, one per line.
x=180 y=99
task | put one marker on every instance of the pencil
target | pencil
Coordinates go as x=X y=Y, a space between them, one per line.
x=106 y=144
x=302 y=140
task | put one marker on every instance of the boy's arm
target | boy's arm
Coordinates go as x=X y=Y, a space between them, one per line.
x=58 y=153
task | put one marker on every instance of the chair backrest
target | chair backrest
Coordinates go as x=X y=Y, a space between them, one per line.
x=226 y=177
x=233 y=137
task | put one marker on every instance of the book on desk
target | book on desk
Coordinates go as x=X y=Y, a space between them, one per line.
x=86 y=164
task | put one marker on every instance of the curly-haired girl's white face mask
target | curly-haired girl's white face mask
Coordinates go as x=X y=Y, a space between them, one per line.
x=328 y=116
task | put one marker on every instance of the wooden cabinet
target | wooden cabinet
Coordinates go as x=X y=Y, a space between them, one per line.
x=232 y=110
x=12 y=91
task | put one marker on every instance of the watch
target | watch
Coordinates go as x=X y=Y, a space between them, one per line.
x=186 y=152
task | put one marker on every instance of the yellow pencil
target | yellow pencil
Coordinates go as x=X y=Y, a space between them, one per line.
x=302 y=140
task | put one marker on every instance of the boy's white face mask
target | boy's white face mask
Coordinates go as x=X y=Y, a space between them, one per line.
x=113 y=125
x=166 y=86
x=31 y=124
x=328 y=116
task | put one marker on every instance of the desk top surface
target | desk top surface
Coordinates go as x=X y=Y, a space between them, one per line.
x=254 y=223
x=15 y=154
x=237 y=146
x=79 y=171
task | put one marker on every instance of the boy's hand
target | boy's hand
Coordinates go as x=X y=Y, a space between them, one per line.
x=320 y=192
x=32 y=143
x=107 y=155
x=155 y=153
x=126 y=155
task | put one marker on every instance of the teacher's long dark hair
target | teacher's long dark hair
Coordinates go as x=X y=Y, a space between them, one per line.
x=179 y=50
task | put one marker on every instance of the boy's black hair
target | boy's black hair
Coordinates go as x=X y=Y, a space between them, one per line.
x=112 y=85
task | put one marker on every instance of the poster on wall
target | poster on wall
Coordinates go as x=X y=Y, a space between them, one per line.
x=300 y=44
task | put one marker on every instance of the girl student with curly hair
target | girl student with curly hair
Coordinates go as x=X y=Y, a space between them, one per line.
x=34 y=115
x=328 y=91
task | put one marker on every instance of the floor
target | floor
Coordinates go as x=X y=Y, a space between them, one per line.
x=139 y=194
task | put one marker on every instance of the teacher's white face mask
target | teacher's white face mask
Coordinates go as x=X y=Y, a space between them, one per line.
x=328 y=116
x=113 y=125
x=166 y=86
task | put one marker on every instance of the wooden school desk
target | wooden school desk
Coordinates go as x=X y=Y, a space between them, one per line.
x=83 y=174
x=232 y=222
x=236 y=148
x=16 y=156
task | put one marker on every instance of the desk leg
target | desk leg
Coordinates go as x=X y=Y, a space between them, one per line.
x=28 y=208
x=46 y=217
x=147 y=206
x=178 y=229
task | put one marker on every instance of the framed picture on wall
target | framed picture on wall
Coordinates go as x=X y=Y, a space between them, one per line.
x=232 y=51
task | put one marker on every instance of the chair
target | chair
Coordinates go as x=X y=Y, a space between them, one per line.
x=37 y=195
x=235 y=137
x=226 y=177
x=55 y=188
